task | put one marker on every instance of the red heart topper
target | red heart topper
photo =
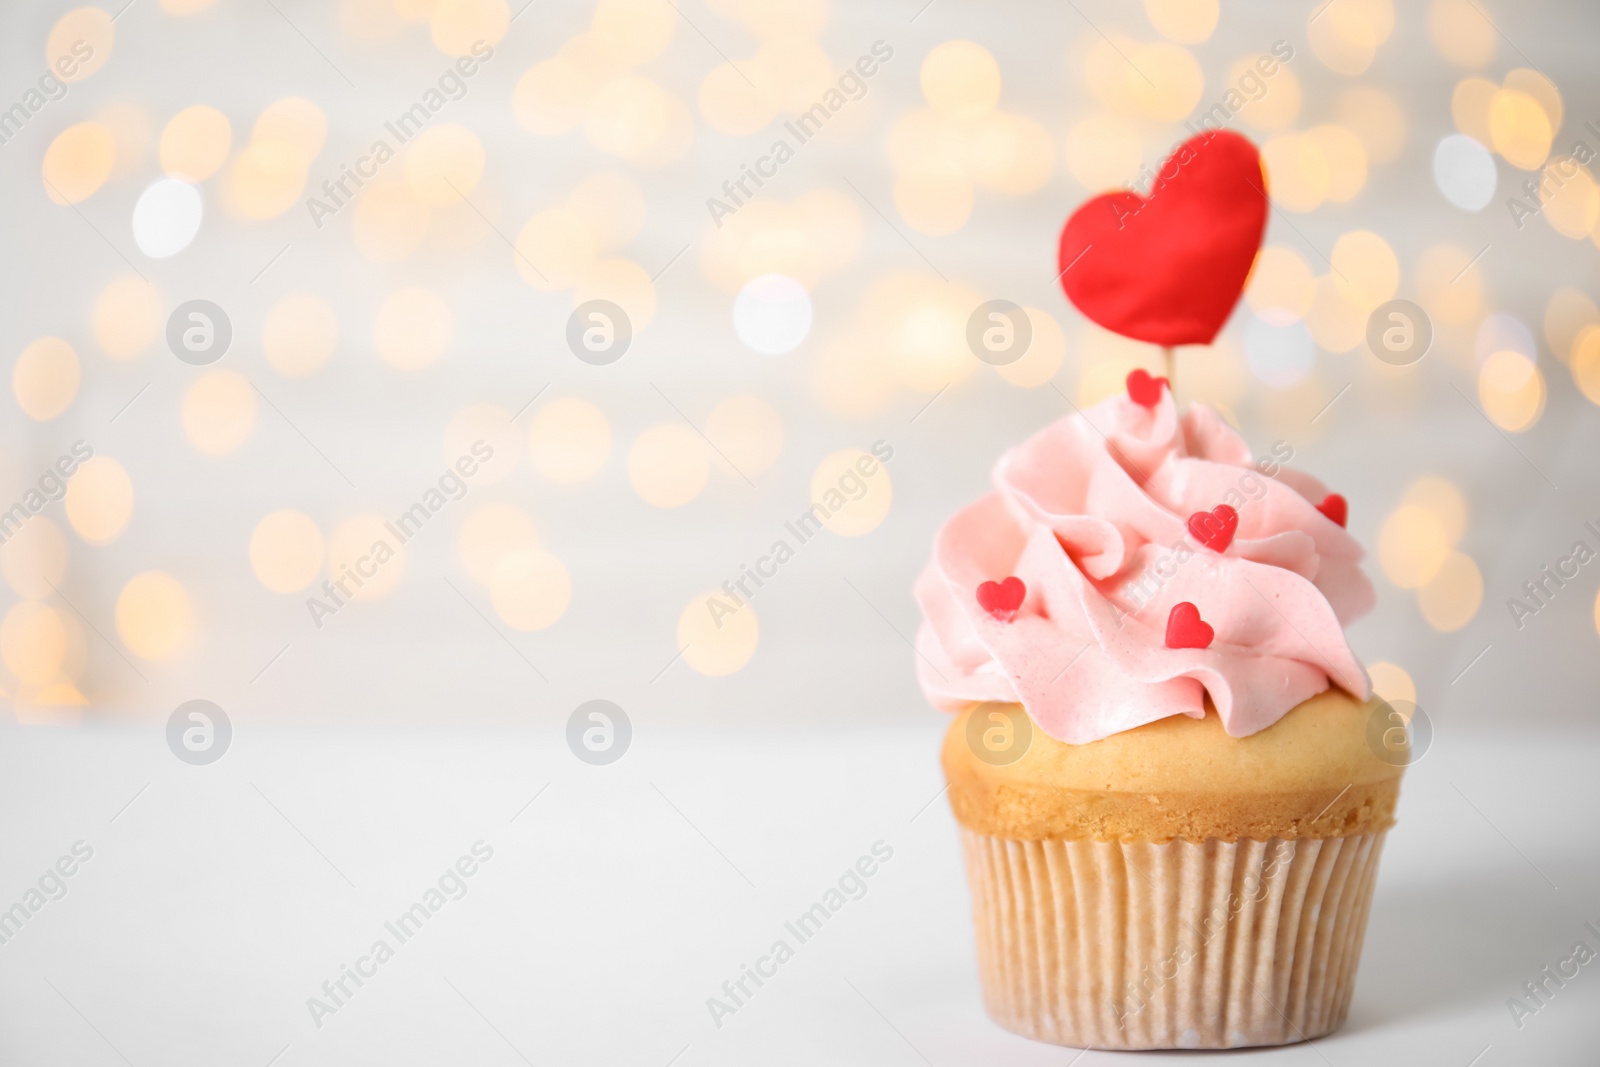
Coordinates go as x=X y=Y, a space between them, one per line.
x=1002 y=599
x=1335 y=507
x=1169 y=268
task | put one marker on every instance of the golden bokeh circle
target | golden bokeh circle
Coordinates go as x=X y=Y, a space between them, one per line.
x=1413 y=545
x=1392 y=682
x=412 y=329
x=365 y=560
x=34 y=558
x=286 y=551
x=45 y=378
x=296 y=122
x=154 y=617
x=851 y=492
x=194 y=143
x=747 y=432
x=99 y=500
x=1183 y=21
x=444 y=163
x=79 y=43
x=716 y=636
x=78 y=162
x=530 y=589
x=1511 y=390
x=219 y=411
x=390 y=222
x=127 y=317
x=491 y=533
x=33 y=642
x=668 y=465
x=569 y=440
x=1453 y=597
x=464 y=27
x=299 y=334
x=960 y=80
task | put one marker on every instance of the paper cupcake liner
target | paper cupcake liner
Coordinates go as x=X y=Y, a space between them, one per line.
x=1137 y=945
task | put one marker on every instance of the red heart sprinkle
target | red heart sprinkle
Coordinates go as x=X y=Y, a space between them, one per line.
x=1335 y=507
x=1184 y=628
x=1214 y=528
x=1002 y=599
x=1143 y=389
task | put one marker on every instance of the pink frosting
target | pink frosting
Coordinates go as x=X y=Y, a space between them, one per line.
x=1091 y=513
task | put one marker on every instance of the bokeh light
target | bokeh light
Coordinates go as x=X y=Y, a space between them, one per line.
x=1047 y=350
x=1374 y=116
x=365 y=559
x=33 y=642
x=1296 y=171
x=1567 y=314
x=1183 y=21
x=127 y=317
x=624 y=283
x=1464 y=171
x=1512 y=390
x=530 y=589
x=154 y=616
x=1519 y=129
x=1103 y=152
x=1451 y=284
x=390 y=222
x=851 y=491
x=78 y=162
x=1451 y=599
x=554 y=247
x=748 y=432
x=717 y=641
x=463 y=27
x=412 y=329
x=166 y=218
x=1279 y=355
x=299 y=334
x=265 y=180
x=960 y=80
x=1413 y=544
x=1366 y=267
x=34 y=558
x=1461 y=32
x=485 y=434
x=1345 y=36
x=569 y=440
x=219 y=411
x=1392 y=682
x=297 y=123
x=45 y=378
x=668 y=465
x=99 y=500
x=491 y=533
x=444 y=163
x=611 y=205
x=195 y=143
x=1346 y=160
x=1281 y=285
x=79 y=43
x=772 y=314
x=286 y=551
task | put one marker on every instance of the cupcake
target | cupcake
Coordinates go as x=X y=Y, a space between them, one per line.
x=1169 y=807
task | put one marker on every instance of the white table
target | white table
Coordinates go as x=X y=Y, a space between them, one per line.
x=218 y=900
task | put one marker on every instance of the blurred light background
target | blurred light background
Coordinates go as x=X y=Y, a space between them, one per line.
x=1438 y=152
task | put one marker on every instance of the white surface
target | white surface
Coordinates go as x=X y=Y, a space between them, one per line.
x=605 y=918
